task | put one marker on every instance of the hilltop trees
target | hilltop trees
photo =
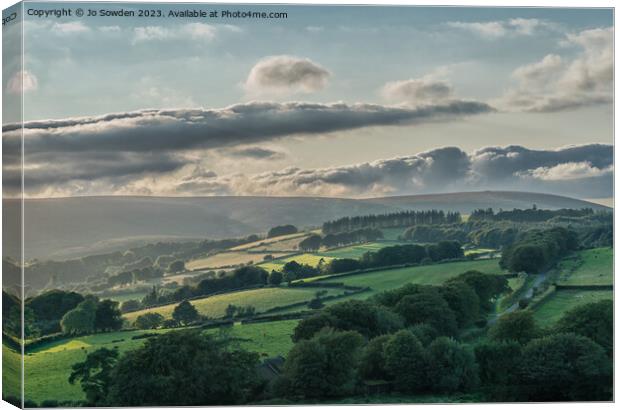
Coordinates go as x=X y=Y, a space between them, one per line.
x=281 y=230
x=391 y=220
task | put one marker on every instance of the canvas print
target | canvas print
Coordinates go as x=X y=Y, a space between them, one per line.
x=229 y=204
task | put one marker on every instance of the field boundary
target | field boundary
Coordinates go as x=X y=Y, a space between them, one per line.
x=584 y=287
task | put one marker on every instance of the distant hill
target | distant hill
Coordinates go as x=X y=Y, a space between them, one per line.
x=465 y=202
x=62 y=228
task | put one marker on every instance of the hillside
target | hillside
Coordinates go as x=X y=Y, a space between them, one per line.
x=72 y=227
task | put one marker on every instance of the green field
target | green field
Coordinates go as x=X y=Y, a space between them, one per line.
x=225 y=259
x=312 y=259
x=11 y=372
x=588 y=267
x=562 y=301
x=268 y=339
x=262 y=299
x=428 y=274
x=48 y=368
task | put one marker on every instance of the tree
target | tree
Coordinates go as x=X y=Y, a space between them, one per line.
x=275 y=278
x=176 y=266
x=372 y=363
x=185 y=313
x=14 y=323
x=323 y=366
x=487 y=286
x=497 y=361
x=80 y=320
x=452 y=366
x=94 y=374
x=312 y=243
x=230 y=311
x=281 y=230
x=183 y=368
x=151 y=298
x=308 y=327
x=563 y=367
x=463 y=301
x=519 y=326
x=593 y=320
x=108 y=316
x=406 y=362
x=130 y=305
x=150 y=320
x=428 y=306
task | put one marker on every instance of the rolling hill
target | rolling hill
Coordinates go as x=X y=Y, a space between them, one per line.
x=62 y=228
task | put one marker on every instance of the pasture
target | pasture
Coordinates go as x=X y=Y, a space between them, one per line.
x=312 y=259
x=560 y=302
x=262 y=299
x=225 y=259
x=428 y=274
x=588 y=267
x=297 y=237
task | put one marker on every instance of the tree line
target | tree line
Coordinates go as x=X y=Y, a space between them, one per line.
x=391 y=220
x=399 y=255
x=528 y=215
x=314 y=242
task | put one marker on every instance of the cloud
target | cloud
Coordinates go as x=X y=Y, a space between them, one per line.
x=73 y=27
x=418 y=91
x=22 y=81
x=185 y=129
x=568 y=171
x=585 y=170
x=502 y=28
x=152 y=138
x=192 y=31
x=557 y=84
x=255 y=153
x=286 y=74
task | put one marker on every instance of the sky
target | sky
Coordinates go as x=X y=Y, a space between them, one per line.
x=330 y=101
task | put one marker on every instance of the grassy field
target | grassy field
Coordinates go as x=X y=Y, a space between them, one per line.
x=430 y=274
x=48 y=368
x=312 y=259
x=588 y=267
x=11 y=372
x=268 y=241
x=562 y=301
x=262 y=299
x=224 y=259
x=268 y=339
